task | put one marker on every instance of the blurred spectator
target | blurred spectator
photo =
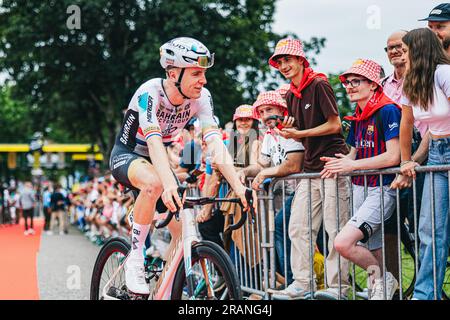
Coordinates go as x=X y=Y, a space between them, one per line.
x=27 y=201
x=58 y=204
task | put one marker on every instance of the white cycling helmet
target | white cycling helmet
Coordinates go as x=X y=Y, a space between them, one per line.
x=184 y=52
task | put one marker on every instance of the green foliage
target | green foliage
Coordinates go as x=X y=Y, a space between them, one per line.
x=344 y=105
x=15 y=119
x=80 y=80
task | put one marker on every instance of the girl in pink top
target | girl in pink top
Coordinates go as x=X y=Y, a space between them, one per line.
x=427 y=92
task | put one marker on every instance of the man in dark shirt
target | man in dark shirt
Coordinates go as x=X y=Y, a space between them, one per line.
x=57 y=204
x=312 y=109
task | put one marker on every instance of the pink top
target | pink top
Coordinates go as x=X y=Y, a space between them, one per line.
x=437 y=117
x=393 y=88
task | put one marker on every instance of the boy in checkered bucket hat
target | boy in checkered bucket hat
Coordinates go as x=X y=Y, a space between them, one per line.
x=311 y=103
x=374 y=141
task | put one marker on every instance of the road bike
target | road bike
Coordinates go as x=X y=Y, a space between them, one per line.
x=195 y=269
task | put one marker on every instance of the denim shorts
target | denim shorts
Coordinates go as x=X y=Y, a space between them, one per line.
x=367 y=213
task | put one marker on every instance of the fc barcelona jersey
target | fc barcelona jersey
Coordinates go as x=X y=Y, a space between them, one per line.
x=369 y=138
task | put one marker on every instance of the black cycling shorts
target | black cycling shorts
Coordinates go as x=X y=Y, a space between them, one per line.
x=121 y=158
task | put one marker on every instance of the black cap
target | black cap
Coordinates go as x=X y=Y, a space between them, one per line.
x=439 y=13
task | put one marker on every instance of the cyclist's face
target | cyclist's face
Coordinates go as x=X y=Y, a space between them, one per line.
x=193 y=81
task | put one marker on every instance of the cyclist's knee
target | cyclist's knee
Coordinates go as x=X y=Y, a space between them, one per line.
x=152 y=190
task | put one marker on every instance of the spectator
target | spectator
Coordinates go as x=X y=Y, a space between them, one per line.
x=244 y=146
x=426 y=98
x=278 y=157
x=311 y=103
x=439 y=23
x=57 y=202
x=393 y=88
x=13 y=205
x=374 y=138
x=27 y=202
x=46 y=198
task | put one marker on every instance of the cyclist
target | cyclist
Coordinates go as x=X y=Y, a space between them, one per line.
x=158 y=110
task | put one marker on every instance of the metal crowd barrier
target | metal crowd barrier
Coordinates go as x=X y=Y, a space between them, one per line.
x=255 y=258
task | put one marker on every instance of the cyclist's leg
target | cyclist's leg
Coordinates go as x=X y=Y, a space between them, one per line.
x=143 y=176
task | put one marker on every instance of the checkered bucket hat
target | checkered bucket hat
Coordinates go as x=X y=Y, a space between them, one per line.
x=272 y=98
x=244 y=111
x=366 y=68
x=287 y=46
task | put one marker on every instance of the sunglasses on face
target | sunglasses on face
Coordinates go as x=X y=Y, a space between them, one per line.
x=353 y=83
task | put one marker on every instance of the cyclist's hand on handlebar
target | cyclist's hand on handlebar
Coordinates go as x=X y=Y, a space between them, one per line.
x=241 y=194
x=169 y=195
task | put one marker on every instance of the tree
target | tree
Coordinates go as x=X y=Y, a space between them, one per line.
x=80 y=80
x=15 y=119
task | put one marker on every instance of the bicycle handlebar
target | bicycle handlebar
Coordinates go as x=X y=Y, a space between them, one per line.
x=192 y=201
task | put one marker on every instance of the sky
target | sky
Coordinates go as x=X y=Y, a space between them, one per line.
x=353 y=28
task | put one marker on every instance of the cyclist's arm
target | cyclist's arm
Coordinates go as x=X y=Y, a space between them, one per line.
x=160 y=161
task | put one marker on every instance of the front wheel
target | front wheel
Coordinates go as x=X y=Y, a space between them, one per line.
x=109 y=259
x=221 y=274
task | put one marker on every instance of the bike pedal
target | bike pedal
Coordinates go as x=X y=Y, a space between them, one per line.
x=137 y=296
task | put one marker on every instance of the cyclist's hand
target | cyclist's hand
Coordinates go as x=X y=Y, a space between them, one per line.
x=408 y=169
x=241 y=194
x=169 y=195
x=401 y=182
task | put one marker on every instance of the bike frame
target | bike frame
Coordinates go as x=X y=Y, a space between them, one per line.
x=182 y=250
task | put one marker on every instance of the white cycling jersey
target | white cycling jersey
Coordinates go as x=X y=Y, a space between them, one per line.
x=150 y=113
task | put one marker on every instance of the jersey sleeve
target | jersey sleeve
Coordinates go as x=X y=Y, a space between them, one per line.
x=293 y=145
x=146 y=103
x=205 y=115
x=390 y=116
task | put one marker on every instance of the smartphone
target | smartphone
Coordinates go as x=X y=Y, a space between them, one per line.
x=275 y=117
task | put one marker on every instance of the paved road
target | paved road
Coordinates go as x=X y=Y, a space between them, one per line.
x=65 y=266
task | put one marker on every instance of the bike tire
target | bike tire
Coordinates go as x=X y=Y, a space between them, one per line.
x=114 y=245
x=221 y=261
